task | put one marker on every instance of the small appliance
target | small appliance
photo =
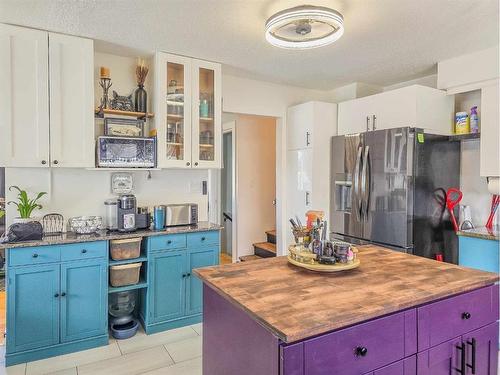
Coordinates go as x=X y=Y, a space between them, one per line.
x=126 y=211
x=111 y=218
x=159 y=217
x=181 y=214
x=143 y=218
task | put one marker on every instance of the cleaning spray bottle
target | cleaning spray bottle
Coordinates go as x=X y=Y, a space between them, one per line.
x=474 y=120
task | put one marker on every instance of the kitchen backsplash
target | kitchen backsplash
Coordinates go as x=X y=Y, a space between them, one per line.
x=75 y=192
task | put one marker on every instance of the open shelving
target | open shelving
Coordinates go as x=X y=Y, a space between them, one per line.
x=117 y=112
x=140 y=285
x=142 y=258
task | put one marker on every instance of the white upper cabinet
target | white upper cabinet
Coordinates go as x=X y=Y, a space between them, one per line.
x=71 y=64
x=24 y=107
x=490 y=131
x=188 y=112
x=47 y=85
x=413 y=106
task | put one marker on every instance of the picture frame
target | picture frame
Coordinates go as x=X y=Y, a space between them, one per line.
x=123 y=127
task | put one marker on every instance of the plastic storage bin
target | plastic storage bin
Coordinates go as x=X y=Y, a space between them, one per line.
x=125 y=249
x=122 y=303
x=126 y=274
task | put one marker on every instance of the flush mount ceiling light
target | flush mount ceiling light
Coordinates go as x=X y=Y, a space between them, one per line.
x=304 y=27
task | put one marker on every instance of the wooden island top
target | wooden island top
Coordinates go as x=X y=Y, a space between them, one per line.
x=295 y=304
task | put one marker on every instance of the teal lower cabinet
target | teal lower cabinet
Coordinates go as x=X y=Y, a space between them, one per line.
x=479 y=253
x=174 y=296
x=56 y=307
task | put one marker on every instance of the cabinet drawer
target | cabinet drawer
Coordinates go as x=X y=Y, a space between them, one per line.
x=203 y=238
x=33 y=255
x=172 y=241
x=357 y=350
x=441 y=321
x=84 y=250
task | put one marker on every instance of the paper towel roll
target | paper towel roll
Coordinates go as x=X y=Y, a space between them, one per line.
x=494 y=185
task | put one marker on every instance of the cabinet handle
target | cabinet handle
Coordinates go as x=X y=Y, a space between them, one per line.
x=373 y=122
x=56 y=295
x=461 y=370
x=63 y=294
x=361 y=351
x=196 y=164
x=188 y=164
x=367 y=123
x=308 y=135
x=188 y=275
x=169 y=242
x=35 y=255
x=308 y=202
x=44 y=162
x=184 y=275
x=84 y=251
x=56 y=162
x=466 y=315
x=472 y=366
x=203 y=238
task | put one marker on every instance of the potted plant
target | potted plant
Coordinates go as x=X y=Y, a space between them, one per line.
x=25 y=205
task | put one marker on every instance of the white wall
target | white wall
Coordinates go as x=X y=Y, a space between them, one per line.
x=75 y=192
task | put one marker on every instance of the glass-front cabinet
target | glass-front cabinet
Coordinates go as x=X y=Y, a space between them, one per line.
x=188 y=112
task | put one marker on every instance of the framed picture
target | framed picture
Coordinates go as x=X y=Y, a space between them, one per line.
x=123 y=127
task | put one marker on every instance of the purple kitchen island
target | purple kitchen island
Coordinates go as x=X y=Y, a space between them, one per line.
x=396 y=314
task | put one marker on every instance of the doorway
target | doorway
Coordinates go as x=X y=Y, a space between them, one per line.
x=227 y=194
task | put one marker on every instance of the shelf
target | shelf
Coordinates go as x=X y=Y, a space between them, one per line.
x=142 y=258
x=206 y=145
x=174 y=144
x=206 y=119
x=141 y=285
x=172 y=102
x=464 y=137
x=124 y=113
x=175 y=117
x=122 y=169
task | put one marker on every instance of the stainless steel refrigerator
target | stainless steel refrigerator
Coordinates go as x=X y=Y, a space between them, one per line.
x=388 y=187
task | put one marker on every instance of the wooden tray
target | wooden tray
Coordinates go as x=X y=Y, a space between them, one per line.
x=318 y=267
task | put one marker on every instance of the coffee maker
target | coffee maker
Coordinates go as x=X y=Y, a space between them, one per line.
x=126 y=210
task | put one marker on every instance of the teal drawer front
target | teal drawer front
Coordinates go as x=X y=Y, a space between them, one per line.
x=26 y=256
x=84 y=250
x=203 y=238
x=169 y=242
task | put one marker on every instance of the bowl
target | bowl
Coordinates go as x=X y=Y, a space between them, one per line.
x=85 y=224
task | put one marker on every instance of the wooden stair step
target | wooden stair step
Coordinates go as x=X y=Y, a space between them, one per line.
x=265 y=249
x=271 y=236
x=247 y=258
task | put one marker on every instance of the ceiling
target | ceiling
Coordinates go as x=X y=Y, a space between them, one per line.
x=385 y=41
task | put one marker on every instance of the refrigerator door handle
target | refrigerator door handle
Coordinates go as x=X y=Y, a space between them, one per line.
x=367 y=177
x=356 y=184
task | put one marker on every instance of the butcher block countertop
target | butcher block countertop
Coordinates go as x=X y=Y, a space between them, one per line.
x=295 y=304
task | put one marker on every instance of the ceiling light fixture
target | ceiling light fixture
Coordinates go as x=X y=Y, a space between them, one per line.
x=304 y=27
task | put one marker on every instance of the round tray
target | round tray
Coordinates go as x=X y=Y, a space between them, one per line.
x=326 y=267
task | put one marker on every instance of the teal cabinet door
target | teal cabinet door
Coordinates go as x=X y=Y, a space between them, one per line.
x=167 y=275
x=83 y=299
x=33 y=298
x=200 y=257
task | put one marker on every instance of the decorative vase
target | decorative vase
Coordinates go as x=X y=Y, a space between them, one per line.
x=141 y=99
x=21 y=220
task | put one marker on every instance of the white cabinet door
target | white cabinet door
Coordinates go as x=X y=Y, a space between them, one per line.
x=393 y=109
x=206 y=115
x=300 y=120
x=299 y=184
x=173 y=90
x=355 y=116
x=71 y=67
x=490 y=133
x=24 y=93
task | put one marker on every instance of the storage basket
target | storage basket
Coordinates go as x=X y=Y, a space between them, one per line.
x=125 y=274
x=125 y=249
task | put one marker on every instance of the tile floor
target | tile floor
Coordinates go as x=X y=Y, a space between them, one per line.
x=174 y=352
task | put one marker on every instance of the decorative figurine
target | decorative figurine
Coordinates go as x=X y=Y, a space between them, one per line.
x=121 y=103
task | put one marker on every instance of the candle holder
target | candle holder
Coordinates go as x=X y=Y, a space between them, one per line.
x=105 y=83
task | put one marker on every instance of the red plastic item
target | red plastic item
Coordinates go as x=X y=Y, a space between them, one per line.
x=453 y=197
x=439 y=257
x=495 y=201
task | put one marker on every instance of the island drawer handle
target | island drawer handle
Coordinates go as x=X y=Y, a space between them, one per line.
x=361 y=351
x=466 y=315
x=35 y=255
x=461 y=370
x=472 y=366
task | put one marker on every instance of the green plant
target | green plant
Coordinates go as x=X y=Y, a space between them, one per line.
x=25 y=205
x=2 y=213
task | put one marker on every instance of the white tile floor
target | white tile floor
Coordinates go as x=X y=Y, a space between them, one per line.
x=174 y=352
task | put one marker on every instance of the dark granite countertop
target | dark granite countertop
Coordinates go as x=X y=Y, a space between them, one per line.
x=70 y=237
x=483 y=233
